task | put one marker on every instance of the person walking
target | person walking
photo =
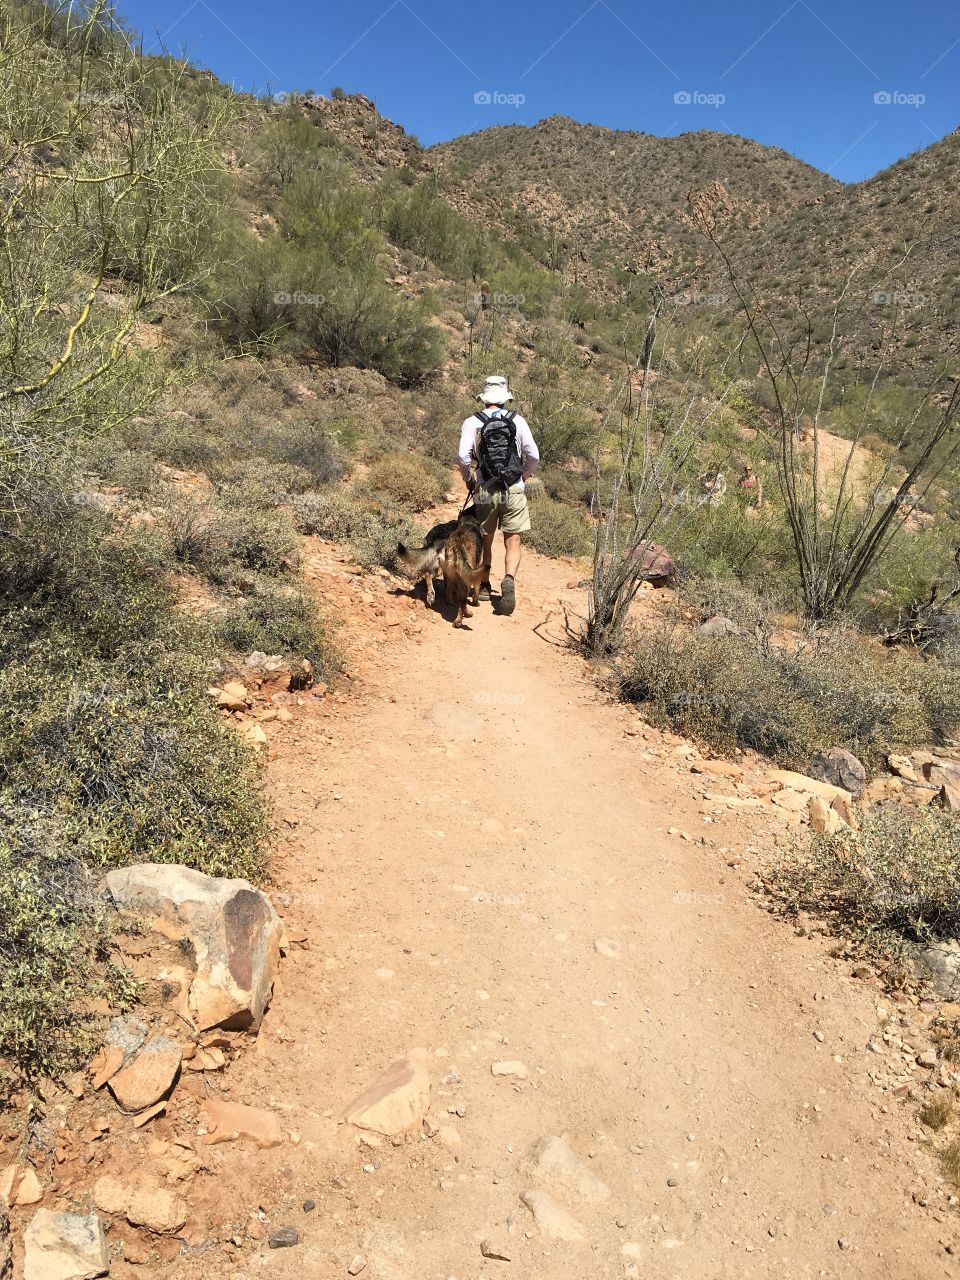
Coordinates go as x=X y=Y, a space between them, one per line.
x=497 y=455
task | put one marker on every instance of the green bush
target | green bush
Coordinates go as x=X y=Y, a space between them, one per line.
x=410 y=480
x=558 y=530
x=371 y=534
x=275 y=620
x=730 y=691
x=228 y=544
x=896 y=880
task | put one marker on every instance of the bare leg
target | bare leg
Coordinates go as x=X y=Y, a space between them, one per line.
x=488 y=553
x=512 y=546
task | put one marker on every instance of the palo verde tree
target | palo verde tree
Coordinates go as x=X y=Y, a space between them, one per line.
x=108 y=163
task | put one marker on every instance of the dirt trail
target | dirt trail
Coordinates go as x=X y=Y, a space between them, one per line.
x=468 y=833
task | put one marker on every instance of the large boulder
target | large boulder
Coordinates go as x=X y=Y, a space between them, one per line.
x=64 y=1246
x=943 y=961
x=231 y=927
x=657 y=565
x=840 y=768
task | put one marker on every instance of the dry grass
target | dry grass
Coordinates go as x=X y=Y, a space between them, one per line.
x=937 y=1111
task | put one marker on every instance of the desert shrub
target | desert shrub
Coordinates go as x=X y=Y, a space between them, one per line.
x=897 y=880
x=309 y=447
x=558 y=530
x=410 y=480
x=133 y=470
x=52 y=930
x=371 y=534
x=229 y=543
x=284 y=621
x=255 y=482
x=730 y=691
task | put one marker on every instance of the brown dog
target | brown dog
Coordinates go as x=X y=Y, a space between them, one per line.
x=463 y=566
x=455 y=549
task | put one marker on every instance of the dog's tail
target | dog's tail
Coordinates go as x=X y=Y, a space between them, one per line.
x=416 y=561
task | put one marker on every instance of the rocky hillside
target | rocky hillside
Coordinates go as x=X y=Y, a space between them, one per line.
x=617 y=198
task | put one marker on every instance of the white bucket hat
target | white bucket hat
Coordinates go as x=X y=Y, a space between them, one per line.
x=495 y=391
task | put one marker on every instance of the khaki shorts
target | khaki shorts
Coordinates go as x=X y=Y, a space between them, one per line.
x=505 y=510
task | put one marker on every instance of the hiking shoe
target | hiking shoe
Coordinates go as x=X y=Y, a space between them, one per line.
x=508 y=596
x=485 y=591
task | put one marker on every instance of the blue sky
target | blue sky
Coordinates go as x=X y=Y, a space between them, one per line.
x=848 y=85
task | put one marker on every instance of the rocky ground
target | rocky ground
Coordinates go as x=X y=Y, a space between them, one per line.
x=530 y=1019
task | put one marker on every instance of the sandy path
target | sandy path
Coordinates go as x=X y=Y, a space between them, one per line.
x=468 y=833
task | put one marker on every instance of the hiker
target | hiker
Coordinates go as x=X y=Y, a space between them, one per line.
x=751 y=486
x=497 y=454
x=714 y=487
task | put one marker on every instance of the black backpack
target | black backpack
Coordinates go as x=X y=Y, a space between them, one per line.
x=498 y=457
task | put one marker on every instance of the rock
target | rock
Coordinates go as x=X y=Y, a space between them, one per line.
x=29 y=1191
x=19 y=1186
x=806 y=786
x=514 y=1069
x=607 y=947
x=144 y=1202
x=234 y=696
x=273 y=672
x=309 y=1206
x=840 y=768
x=718 y=626
x=6 y=1249
x=495 y=1249
x=552 y=1221
x=232 y=928
x=847 y=808
x=927 y=1058
x=64 y=1246
x=396 y=1102
x=948 y=797
x=449 y=1136
x=718 y=769
x=552 y=1162
x=357 y=1264
x=284 y=1238
x=943 y=961
x=880 y=790
x=254 y=734
x=233 y=1121
x=106 y=1064
x=656 y=563
x=902 y=767
x=149 y=1077
x=823 y=818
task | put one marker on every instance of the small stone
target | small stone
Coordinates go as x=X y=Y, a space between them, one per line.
x=149 y=1077
x=515 y=1069
x=607 y=947
x=819 y=1036
x=552 y=1220
x=29 y=1191
x=396 y=1101
x=552 y=1162
x=672 y=1182
x=357 y=1265
x=494 y=1249
x=309 y=1206
x=232 y=1121
x=928 y=1058
x=843 y=1243
x=284 y=1238
x=64 y=1246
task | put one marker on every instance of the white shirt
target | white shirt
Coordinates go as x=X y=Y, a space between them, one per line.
x=529 y=453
